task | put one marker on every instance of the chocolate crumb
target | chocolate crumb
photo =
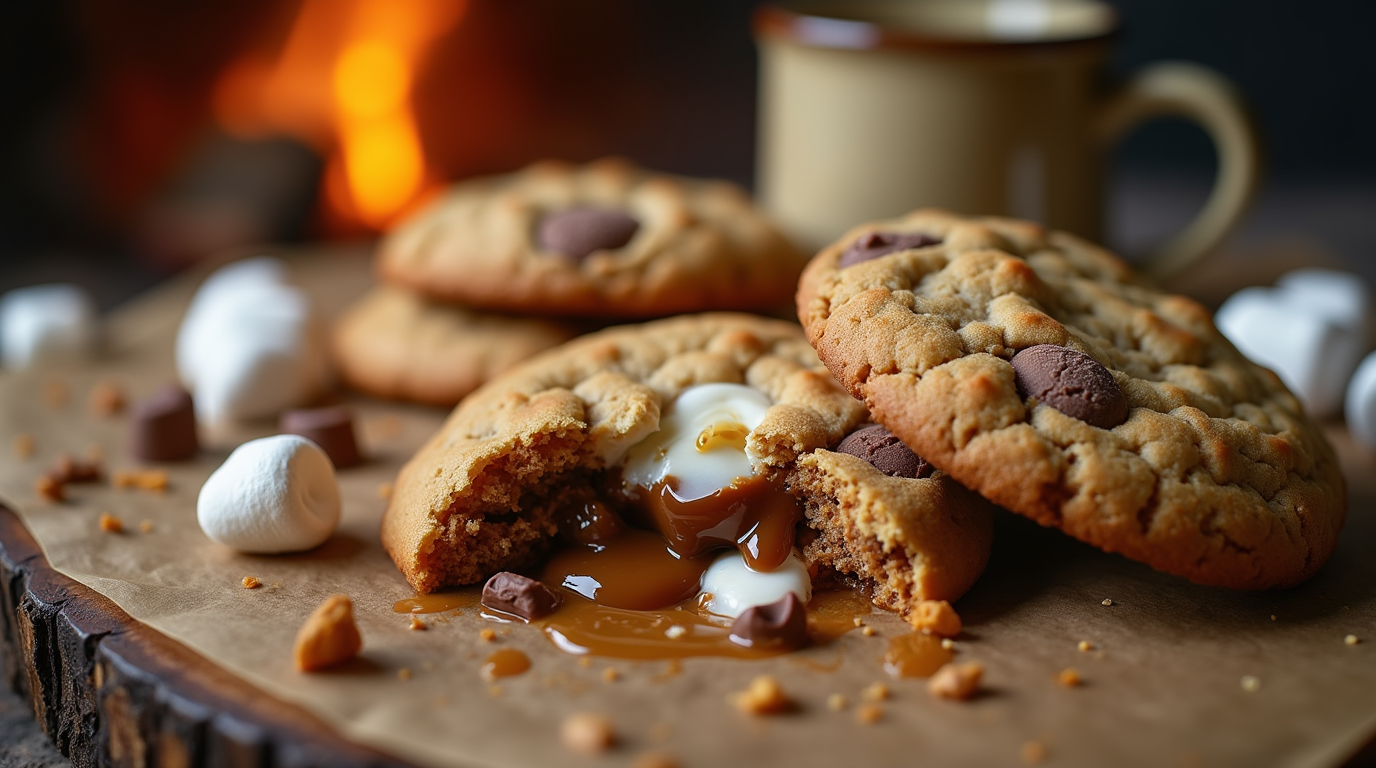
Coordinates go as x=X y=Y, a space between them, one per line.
x=885 y=452
x=163 y=427
x=519 y=596
x=330 y=428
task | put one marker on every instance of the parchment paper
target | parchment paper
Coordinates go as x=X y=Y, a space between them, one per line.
x=1163 y=686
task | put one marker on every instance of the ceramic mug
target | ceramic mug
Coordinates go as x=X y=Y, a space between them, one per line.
x=871 y=109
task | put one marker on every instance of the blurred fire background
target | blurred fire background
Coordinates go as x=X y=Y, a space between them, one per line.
x=143 y=135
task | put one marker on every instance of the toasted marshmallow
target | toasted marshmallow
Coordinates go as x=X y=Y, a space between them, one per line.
x=46 y=324
x=700 y=442
x=251 y=346
x=1310 y=330
x=733 y=587
x=272 y=495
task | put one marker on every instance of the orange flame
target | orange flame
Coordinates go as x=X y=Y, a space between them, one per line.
x=342 y=82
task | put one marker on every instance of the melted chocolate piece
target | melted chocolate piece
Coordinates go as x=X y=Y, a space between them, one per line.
x=885 y=452
x=580 y=232
x=330 y=428
x=519 y=596
x=876 y=244
x=782 y=622
x=1071 y=382
x=164 y=426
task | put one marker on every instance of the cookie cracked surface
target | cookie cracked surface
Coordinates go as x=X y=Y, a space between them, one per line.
x=691 y=245
x=484 y=494
x=1215 y=474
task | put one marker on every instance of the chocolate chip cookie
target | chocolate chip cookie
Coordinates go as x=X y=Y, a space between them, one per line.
x=606 y=239
x=1038 y=370
x=541 y=453
x=397 y=345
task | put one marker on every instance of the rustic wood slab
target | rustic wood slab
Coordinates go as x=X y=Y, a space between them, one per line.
x=107 y=690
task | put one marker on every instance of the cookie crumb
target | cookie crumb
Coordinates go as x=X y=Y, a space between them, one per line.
x=869 y=714
x=487 y=636
x=867 y=631
x=1251 y=683
x=1070 y=678
x=1107 y=601
x=675 y=631
x=859 y=622
x=24 y=446
x=1033 y=753
x=251 y=582
x=416 y=623
x=876 y=692
x=384 y=490
x=836 y=702
x=1352 y=640
x=145 y=526
x=404 y=673
x=329 y=636
x=762 y=697
x=947 y=643
x=111 y=524
x=1273 y=617
x=611 y=675
x=55 y=394
x=142 y=479
x=654 y=760
x=66 y=469
x=495 y=691
x=105 y=399
x=49 y=489
x=585 y=663
x=935 y=617
x=956 y=681
x=1085 y=646
x=587 y=734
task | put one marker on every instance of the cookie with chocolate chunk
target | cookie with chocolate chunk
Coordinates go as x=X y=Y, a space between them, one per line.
x=606 y=239
x=1038 y=370
x=398 y=345
x=489 y=491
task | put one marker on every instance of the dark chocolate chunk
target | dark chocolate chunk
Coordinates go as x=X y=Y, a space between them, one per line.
x=164 y=426
x=885 y=451
x=330 y=428
x=782 y=622
x=876 y=244
x=1071 y=382
x=519 y=596
x=579 y=232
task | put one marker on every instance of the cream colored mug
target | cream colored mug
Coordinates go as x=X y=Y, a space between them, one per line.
x=871 y=109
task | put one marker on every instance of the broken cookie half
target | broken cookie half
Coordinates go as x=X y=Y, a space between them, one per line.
x=705 y=460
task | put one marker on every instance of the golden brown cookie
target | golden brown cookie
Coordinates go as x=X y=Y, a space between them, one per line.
x=397 y=345
x=1127 y=420
x=605 y=239
x=486 y=492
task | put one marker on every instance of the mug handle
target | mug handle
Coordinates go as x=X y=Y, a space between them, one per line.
x=1208 y=98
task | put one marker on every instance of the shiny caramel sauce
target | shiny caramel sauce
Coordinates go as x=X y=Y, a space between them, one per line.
x=505 y=662
x=832 y=613
x=583 y=627
x=915 y=654
x=634 y=571
x=439 y=602
x=753 y=514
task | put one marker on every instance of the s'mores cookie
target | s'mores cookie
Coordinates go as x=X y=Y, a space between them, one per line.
x=606 y=239
x=1038 y=370
x=720 y=433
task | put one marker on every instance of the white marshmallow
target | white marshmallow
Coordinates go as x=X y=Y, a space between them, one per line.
x=673 y=450
x=1311 y=331
x=46 y=324
x=272 y=495
x=250 y=346
x=1361 y=402
x=734 y=587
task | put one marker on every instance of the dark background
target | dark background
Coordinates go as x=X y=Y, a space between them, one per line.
x=85 y=155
